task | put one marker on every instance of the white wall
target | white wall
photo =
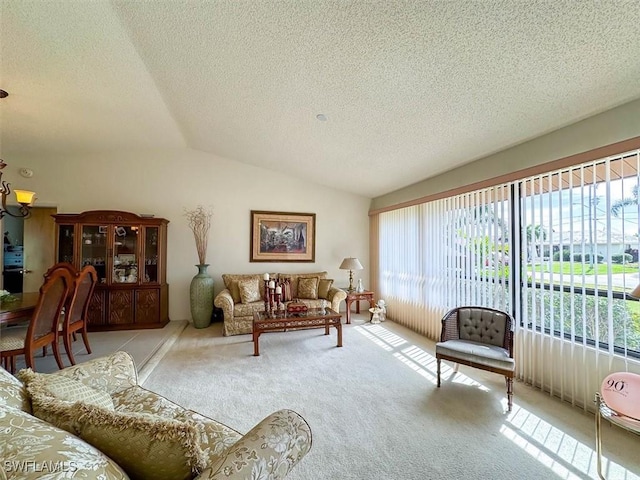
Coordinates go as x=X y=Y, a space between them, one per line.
x=164 y=183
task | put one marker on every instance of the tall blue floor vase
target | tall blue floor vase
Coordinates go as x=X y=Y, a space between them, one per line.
x=201 y=297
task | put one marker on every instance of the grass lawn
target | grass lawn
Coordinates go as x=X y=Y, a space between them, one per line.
x=569 y=268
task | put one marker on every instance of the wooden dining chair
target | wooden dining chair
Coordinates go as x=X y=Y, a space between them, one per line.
x=61 y=265
x=74 y=273
x=76 y=309
x=43 y=326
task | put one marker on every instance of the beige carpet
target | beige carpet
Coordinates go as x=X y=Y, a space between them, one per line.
x=376 y=413
x=144 y=346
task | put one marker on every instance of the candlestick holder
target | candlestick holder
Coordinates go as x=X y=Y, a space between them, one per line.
x=266 y=295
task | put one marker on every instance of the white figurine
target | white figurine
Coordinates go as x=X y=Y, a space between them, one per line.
x=383 y=310
x=375 y=317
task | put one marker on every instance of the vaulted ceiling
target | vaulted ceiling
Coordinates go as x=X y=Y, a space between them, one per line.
x=409 y=89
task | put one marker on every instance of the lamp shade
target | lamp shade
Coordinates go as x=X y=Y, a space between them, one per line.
x=24 y=197
x=351 y=263
x=635 y=293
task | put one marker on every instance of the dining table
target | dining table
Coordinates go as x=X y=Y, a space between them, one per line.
x=19 y=308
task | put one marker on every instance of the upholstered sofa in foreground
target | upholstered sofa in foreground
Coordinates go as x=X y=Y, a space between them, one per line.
x=244 y=294
x=93 y=421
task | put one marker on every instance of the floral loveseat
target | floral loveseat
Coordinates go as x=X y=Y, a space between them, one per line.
x=244 y=294
x=120 y=431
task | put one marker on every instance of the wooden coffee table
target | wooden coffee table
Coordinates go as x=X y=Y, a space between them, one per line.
x=283 y=322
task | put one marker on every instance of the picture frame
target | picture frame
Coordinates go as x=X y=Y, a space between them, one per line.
x=283 y=236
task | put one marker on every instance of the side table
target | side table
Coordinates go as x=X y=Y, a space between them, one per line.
x=356 y=297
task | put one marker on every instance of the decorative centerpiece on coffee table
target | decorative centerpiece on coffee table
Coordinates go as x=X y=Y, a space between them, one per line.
x=201 y=288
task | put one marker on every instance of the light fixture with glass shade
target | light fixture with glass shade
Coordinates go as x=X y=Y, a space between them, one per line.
x=351 y=264
x=24 y=198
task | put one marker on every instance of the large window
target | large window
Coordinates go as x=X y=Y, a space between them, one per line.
x=572 y=238
x=580 y=253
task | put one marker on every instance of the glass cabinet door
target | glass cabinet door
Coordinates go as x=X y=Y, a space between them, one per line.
x=94 y=249
x=65 y=243
x=151 y=255
x=125 y=254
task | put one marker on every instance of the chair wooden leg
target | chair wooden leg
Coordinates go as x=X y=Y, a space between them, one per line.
x=7 y=364
x=56 y=353
x=438 y=363
x=44 y=351
x=509 y=393
x=74 y=336
x=85 y=338
x=69 y=348
x=30 y=360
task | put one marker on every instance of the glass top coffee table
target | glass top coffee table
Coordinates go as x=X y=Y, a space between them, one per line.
x=283 y=322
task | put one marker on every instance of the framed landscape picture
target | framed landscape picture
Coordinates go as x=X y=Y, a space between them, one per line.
x=283 y=237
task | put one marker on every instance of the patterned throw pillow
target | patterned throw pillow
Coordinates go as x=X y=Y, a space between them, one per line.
x=308 y=288
x=249 y=290
x=214 y=437
x=231 y=283
x=53 y=397
x=144 y=445
x=324 y=285
x=235 y=292
x=64 y=389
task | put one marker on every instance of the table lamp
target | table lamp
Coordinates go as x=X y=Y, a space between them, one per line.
x=351 y=264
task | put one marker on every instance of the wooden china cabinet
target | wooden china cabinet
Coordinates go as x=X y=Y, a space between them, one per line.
x=129 y=253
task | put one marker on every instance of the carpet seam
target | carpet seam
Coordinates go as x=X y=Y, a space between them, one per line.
x=155 y=358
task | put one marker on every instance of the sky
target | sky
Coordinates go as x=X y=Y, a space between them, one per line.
x=583 y=210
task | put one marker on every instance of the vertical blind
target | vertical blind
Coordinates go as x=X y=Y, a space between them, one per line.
x=568 y=239
x=579 y=262
x=445 y=253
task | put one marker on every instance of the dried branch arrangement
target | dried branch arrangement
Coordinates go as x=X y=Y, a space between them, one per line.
x=199 y=221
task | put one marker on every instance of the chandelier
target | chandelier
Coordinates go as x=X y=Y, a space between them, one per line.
x=24 y=198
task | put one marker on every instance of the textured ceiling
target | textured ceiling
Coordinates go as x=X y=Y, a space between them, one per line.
x=410 y=89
